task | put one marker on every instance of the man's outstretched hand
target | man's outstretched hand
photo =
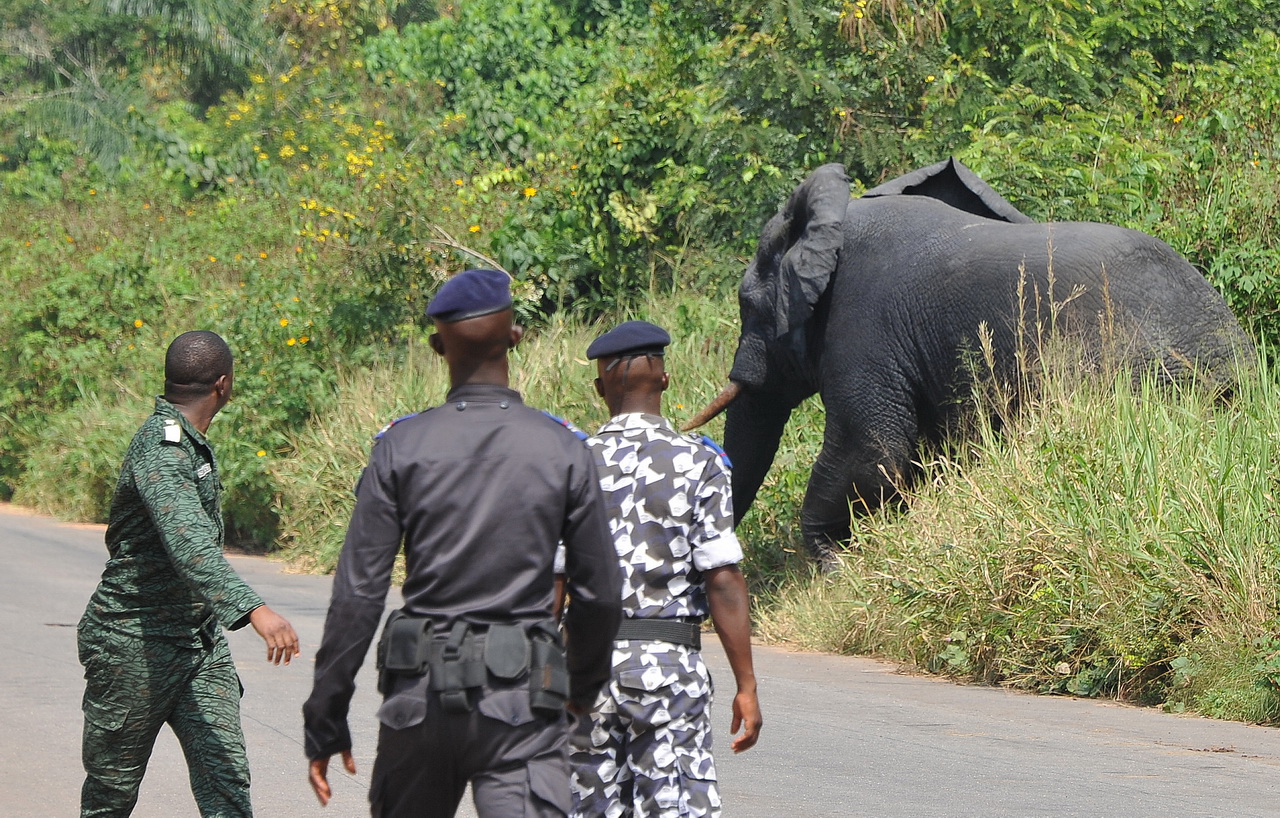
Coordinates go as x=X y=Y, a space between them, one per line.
x=319 y=775
x=275 y=630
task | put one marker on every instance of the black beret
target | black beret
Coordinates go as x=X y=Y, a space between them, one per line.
x=631 y=337
x=471 y=294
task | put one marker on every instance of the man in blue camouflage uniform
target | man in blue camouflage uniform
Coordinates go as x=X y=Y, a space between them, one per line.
x=645 y=749
x=477 y=492
x=151 y=638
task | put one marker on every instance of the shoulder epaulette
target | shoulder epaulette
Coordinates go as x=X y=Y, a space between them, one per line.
x=715 y=447
x=581 y=435
x=172 y=431
x=387 y=428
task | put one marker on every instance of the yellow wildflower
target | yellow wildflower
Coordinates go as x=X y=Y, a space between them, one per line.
x=530 y=192
x=262 y=453
x=292 y=341
x=475 y=228
x=138 y=323
x=284 y=322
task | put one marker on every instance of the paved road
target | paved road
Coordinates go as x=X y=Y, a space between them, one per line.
x=842 y=737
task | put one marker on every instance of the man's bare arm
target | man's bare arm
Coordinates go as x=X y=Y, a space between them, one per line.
x=730 y=611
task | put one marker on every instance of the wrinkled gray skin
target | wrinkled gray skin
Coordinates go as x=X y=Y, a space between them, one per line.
x=875 y=303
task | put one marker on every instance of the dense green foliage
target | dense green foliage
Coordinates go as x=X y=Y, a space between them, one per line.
x=300 y=175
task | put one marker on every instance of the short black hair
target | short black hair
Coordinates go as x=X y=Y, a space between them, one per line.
x=194 y=362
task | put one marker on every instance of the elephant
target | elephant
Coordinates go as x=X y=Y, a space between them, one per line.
x=876 y=304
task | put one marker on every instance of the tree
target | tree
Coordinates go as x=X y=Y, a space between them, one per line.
x=90 y=72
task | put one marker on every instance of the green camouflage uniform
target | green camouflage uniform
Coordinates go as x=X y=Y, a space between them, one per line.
x=150 y=640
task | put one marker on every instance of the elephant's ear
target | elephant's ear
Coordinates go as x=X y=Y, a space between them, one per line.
x=951 y=182
x=793 y=265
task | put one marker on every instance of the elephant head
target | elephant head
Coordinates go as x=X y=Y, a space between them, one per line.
x=780 y=301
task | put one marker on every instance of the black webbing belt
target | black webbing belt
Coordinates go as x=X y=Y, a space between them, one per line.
x=674 y=631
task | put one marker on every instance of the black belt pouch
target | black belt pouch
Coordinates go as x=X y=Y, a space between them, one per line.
x=403 y=648
x=549 y=677
x=506 y=652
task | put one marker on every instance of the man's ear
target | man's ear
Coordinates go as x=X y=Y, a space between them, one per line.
x=517 y=333
x=666 y=380
x=599 y=387
x=436 y=343
x=221 y=391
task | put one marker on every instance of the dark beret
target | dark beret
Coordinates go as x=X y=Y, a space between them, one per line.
x=629 y=338
x=471 y=294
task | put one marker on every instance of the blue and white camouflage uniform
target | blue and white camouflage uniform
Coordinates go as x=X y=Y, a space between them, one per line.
x=645 y=750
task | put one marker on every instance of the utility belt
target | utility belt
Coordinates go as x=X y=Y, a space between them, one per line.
x=675 y=631
x=465 y=657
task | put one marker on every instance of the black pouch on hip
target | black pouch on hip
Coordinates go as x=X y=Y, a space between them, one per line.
x=457 y=667
x=506 y=652
x=403 y=648
x=549 y=672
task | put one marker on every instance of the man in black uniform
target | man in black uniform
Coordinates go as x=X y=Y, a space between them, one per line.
x=479 y=490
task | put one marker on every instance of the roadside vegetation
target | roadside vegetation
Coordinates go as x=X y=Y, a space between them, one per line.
x=300 y=176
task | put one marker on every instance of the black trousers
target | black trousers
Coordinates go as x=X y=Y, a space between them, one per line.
x=516 y=759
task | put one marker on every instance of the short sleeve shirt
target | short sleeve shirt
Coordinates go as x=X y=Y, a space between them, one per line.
x=670 y=513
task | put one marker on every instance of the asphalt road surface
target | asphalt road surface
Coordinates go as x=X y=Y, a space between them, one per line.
x=842 y=736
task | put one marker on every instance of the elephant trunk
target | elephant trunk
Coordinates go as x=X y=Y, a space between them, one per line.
x=714 y=408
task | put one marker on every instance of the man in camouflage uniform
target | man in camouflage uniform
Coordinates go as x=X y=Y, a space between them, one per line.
x=645 y=750
x=151 y=639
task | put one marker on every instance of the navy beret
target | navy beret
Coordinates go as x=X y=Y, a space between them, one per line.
x=471 y=294
x=631 y=337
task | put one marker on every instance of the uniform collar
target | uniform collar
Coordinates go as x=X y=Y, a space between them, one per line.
x=167 y=410
x=635 y=421
x=482 y=392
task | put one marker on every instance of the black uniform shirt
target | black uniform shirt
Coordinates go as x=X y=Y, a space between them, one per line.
x=480 y=490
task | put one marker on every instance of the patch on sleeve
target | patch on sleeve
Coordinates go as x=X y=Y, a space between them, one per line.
x=715 y=447
x=387 y=428
x=172 y=431
x=581 y=435
x=204 y=470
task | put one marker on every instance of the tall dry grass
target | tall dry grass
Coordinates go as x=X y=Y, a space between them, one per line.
x=1116 y=538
